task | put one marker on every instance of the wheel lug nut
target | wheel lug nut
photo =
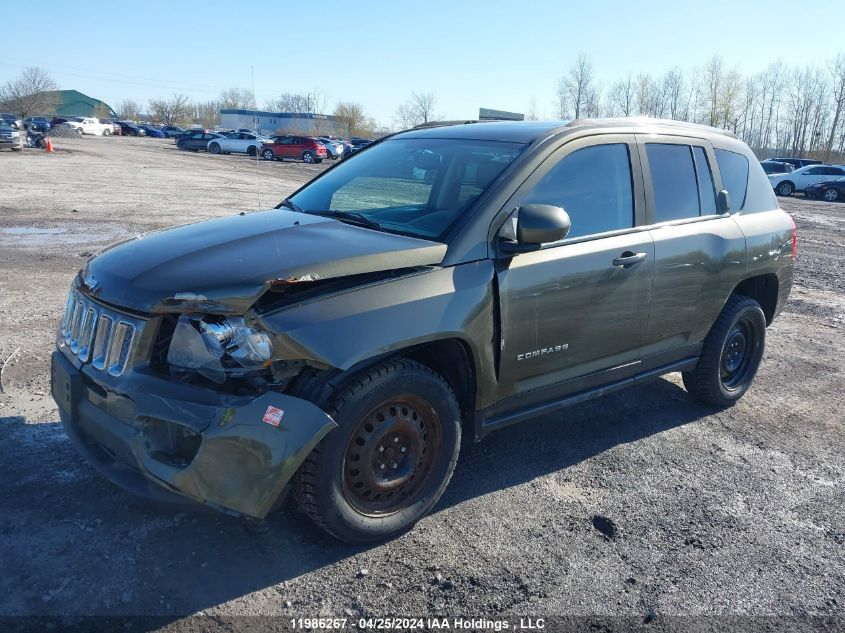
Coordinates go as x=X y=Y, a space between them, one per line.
x=403 y=449
x=381 y=466
x=394 y=465
x=395 y=440
x=381 y=449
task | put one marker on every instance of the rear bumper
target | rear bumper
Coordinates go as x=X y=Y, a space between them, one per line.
x=220 y=452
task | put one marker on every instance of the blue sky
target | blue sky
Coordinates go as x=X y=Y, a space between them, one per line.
x=469 y=53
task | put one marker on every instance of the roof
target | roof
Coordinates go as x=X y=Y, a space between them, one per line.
x=74 y=103
x=529 y=131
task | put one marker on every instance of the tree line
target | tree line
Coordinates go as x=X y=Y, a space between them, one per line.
x=780 y=110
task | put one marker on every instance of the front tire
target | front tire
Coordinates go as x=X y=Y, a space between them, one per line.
x=731 y=354
x=785 y=188
x=831 y=195
x=251 y=150
x=268 y=154
x=308 y=157
x=106 y=132
x=391 y=458
x=214 y=148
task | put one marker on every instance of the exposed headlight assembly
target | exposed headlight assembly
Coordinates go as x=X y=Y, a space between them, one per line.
x=218 y=347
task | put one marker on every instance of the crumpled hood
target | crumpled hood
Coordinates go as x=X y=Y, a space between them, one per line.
x=224 y=265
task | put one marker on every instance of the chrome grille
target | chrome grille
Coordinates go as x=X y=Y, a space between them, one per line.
x=97 y=334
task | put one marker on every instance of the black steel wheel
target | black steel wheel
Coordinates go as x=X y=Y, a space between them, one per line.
x=391 y=454
x=731 y=354
x=391 y=457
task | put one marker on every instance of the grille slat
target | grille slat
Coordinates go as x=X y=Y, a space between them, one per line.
x=95 y=334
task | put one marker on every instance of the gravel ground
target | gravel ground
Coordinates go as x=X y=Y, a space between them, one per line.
x=639 y=504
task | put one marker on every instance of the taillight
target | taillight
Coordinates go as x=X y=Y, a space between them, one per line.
x=794 y=239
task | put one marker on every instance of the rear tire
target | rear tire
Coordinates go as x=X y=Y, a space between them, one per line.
x=731 y=354
x=785 y=188
x=106 y=132
x=389 y=460
x=308 y=157
x=251 y=150
x=831 y=195
x=268 y=154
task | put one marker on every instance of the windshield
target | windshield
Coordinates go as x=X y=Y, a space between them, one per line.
x=416 y=187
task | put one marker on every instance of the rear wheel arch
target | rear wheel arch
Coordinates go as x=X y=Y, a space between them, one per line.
x=764 y=290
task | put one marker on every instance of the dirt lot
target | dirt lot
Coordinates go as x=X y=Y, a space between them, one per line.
x=739 y=511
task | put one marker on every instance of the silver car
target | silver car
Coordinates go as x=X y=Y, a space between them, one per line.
x=334 y=148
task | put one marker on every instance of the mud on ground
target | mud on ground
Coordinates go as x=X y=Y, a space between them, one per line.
x=639 y=503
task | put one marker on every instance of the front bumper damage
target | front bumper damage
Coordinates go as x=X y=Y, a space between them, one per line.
x=176 y=443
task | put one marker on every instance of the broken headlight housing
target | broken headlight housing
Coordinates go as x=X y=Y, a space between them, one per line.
x=218 y=347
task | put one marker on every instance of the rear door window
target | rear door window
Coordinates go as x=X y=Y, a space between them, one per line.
x=734 y=170
x=674 y=181
x=593 y=185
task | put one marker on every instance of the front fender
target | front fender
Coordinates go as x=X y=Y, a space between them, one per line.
x=344 y=329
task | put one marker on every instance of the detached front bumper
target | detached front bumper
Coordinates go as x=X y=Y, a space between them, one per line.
x=233 y=453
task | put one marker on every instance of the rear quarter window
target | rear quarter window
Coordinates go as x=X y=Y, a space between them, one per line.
x=734 y=170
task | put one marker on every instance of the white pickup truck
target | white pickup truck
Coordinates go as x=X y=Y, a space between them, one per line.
x=88 y=125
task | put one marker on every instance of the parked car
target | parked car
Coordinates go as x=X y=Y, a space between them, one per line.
x=11 y=120
x=237 y=143
x=153 y=131
x=343 y=342
x=290 y=146
x=37 y=123
x=9 y=136
x=115 y=128
x=189 y=132
x=830 y=190
x=797 y=162
x=798 y=180
x=172 y=130
x=775 y=167
x=89 y=125
x=334 y=148
x=197 y=141
x=127 y=128
x=58 y=120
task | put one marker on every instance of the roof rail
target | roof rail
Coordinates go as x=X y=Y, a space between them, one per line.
x=643 y=120
x=428 y=124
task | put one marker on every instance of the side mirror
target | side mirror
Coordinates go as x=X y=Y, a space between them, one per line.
x=538 y=224
x=723 y=201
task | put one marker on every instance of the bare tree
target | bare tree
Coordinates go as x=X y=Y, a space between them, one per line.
x=312 y=102
x=352 y=114
x=29 y=94
x=207 y=113
x=128 y=109
x=621 y=98
x=237 y=99
x=177 y=109
x=419 y=108
x=575 y=90
x=531 y=113
x=838 y=99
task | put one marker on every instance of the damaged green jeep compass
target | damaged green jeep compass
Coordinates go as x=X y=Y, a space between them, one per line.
x=445 y=279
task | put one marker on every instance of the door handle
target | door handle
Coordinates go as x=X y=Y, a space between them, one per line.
x=628 y=259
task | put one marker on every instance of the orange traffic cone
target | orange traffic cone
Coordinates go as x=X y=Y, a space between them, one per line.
x=49 y=145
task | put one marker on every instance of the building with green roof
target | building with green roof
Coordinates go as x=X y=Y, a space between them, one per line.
x=74 y=103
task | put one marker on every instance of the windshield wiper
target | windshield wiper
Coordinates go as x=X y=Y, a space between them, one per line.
x=350 y=217
x=290 y=204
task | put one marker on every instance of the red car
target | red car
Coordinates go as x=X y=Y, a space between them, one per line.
x=289 y=146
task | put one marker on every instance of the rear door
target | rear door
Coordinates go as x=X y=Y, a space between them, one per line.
x=287 y=147
x=698 y=253
x=578 y=308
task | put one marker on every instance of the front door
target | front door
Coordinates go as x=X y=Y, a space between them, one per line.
x=574 y=312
